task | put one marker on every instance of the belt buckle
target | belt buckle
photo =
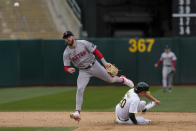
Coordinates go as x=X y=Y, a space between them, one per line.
x=91 y=64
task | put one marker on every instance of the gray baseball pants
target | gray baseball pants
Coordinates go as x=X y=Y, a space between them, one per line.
x=97 y=70
x=167 y=78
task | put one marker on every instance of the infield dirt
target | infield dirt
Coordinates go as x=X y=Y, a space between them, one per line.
x=99 y=121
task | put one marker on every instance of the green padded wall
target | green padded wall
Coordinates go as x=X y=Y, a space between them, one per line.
x=40 y=62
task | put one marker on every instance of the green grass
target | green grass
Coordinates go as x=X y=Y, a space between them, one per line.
x=37 y=128
x=182 y=99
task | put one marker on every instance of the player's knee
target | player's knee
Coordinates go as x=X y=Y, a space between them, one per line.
x=80 y=90
x=164 y=78
x=142 y=103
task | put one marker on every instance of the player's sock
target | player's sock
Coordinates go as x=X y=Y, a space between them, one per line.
x=78 y=111
x=127 y=81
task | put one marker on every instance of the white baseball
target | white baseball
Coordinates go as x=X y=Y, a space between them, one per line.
x=16 y=4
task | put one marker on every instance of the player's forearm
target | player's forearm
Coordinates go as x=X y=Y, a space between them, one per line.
x=174 y=64
x=159 y=62
x=103 y=61
x=132 y=117
x=149 y=96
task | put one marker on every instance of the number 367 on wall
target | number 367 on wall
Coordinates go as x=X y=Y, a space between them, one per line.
x=141 y=45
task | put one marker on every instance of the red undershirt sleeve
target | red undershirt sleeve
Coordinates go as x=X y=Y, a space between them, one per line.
x=159 y=62
x=66 y=68
x=98 y=54
x=174 y=63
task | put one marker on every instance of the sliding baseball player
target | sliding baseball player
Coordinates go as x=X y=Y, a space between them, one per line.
x=131 y=104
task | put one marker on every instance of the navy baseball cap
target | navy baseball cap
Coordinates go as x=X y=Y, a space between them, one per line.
x=167 y=47
x=66 y=34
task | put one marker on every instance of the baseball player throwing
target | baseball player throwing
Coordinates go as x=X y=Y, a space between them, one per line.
x=169 y=66
x=82 y=55
x=131 y=104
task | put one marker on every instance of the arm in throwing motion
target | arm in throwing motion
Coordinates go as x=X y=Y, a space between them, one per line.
x=100 y=56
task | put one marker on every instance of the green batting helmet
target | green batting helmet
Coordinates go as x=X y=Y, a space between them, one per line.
x=141 y=86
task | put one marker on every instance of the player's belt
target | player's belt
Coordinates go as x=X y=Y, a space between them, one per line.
x=122 y=120
x=90 y=65
x=168 y=65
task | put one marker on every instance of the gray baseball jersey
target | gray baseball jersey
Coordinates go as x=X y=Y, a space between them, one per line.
x=81 y=56
x=168 y=58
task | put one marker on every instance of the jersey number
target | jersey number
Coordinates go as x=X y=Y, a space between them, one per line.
x=122 y=103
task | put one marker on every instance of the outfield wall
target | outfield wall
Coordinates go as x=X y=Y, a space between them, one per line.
x=40 y=62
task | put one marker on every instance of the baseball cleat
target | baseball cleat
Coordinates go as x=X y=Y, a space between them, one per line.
x=149 y=106
x=143 y=111
x=75 y=116
x=164 y=89
x=147 y=121
x=127 y=81
x=170 y=89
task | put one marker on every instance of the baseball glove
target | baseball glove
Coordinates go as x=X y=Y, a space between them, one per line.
x=171 y=72
x=112 y=70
